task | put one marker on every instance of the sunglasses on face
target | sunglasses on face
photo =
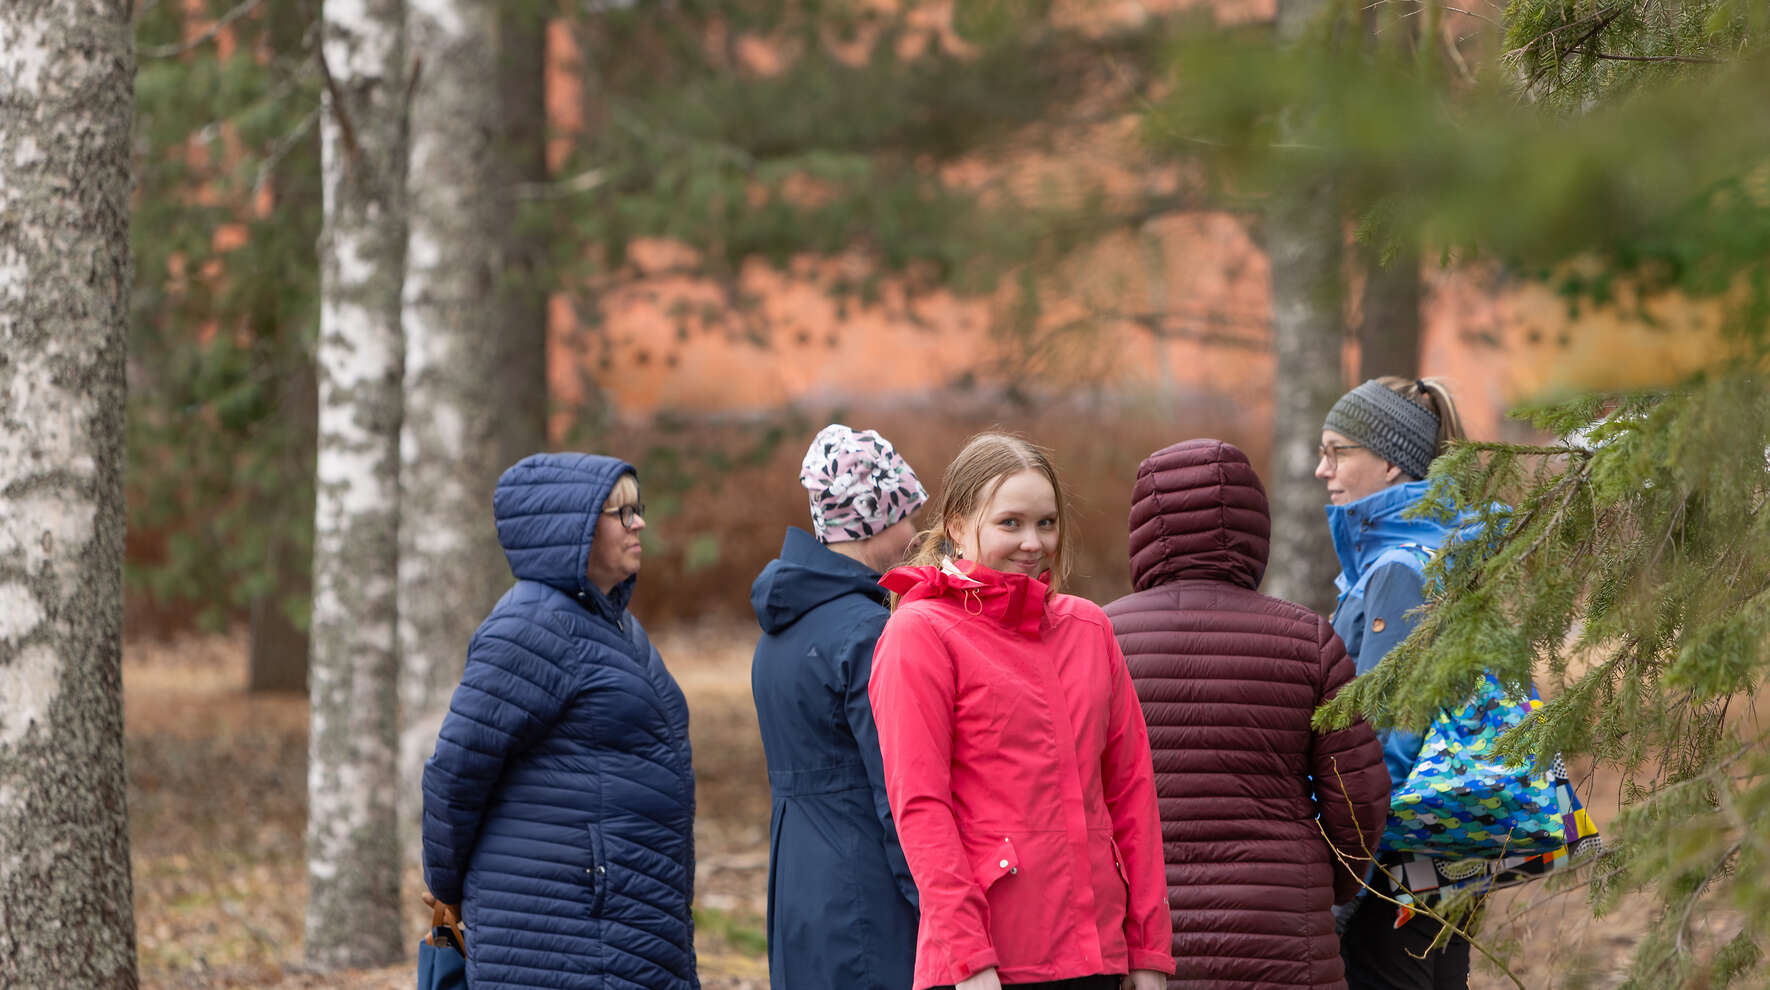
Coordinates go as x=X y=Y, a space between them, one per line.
x=628 y=513
x=1330 y=452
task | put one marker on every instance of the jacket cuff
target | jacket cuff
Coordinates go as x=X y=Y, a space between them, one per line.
x=1161 y=962
x=977 y=962
x=445 y=886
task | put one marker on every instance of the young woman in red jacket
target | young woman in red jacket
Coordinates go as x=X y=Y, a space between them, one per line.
x=1016 y=758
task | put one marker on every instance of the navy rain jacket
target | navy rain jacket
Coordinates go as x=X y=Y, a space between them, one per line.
x=841 y=904
x=559 y=806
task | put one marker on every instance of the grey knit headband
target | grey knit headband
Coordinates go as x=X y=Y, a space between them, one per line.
x=1394 y=428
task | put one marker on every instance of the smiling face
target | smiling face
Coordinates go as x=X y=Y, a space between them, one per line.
x=1017 y=530
x=615 y=551
x=1351 y=471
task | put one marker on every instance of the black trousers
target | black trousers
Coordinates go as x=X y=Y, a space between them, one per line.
x=1075 y=983
x=1379 y=956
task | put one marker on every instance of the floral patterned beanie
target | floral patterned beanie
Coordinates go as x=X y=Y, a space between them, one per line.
x=859 y=484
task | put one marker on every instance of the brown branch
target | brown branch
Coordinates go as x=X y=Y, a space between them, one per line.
x=207 y=35
x=346 y=129
x=1418 y=907
x=1613 y=57
x=1602 y=17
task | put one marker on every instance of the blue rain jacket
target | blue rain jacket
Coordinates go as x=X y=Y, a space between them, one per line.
x=841 y=904
x=1382 y=558
x=559 y=806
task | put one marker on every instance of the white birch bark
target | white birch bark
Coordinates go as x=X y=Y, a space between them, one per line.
x=353 y=864
x=461 y=271
x=1308 y=330
x=66 y=108
x=1303 y=243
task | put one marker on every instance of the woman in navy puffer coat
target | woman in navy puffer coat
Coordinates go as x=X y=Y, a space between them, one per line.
x=559 y=807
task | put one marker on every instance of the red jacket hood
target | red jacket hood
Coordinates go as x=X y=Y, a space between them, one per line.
x=1198 y=512
x=1014 y=601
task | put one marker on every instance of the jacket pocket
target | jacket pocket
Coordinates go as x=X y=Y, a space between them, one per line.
x=997 y=861
x=1118 y=863
x=597 y=872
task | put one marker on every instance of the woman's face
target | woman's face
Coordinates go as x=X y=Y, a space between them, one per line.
x=1351 y=470
x=1017 y=530
x=615 y=550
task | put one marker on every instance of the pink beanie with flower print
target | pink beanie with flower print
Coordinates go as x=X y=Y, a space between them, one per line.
x=860 y=486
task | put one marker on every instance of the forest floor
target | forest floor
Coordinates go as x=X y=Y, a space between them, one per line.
x=217 y=810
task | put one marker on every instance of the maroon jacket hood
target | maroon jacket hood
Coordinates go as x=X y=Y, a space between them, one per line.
x=1199 y=512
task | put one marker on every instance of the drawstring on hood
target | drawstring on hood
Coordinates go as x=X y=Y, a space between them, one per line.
x=1013 y=601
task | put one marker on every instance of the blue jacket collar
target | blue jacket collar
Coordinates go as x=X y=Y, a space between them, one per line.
x=1364 y=529
x=807 y=575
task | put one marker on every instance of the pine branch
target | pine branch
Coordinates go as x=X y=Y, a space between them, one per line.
x=1613 y=57
x=1418 y=907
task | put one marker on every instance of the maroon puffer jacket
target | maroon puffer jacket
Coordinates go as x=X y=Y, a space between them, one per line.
x=1228 y=679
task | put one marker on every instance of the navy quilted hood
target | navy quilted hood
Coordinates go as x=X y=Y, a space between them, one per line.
x=546 y=507
x=806 y=575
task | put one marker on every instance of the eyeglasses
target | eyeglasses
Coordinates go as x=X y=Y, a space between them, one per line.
x=629 y=513
x=1330 y=452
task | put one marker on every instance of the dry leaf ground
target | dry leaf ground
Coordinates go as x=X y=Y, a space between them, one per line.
x=217 y=805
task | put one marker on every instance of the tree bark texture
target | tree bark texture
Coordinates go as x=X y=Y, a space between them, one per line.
x=475 y=380
x=521 y=327
x=280 y=647
x=1303 y=238
x=1389 y=332
x=67 y=74
x=353 y=863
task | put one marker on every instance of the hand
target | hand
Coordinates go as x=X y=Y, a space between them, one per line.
x=1145 y=979
x=983 y=979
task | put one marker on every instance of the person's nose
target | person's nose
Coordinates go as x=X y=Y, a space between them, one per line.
x=1324 y=469
x=638 y=524
x=1029 y=541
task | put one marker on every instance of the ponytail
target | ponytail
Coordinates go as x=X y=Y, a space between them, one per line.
x=1432 y=395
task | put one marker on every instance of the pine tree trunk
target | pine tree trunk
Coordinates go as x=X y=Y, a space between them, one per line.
x=1303 y=237
x=66 y=108
x=475 y=386
x=353 y=864
x=280 y=647
x=522 y=296
x=1389 y=335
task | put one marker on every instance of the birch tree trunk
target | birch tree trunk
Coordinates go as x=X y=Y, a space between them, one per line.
x=353 y=863
x=1303 y=243
x=67 y=76
x=474 y=383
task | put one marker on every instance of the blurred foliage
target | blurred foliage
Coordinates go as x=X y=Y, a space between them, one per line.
x=682 y=137
x=1666 y=182
x=843 y=146
x=1619 y=151
x=226 y=215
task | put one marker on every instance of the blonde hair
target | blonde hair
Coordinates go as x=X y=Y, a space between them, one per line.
x=1432 y=395
x=971 y=481
x=625 y=491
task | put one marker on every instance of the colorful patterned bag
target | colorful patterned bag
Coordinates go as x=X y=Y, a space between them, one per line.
x=1461 y=802
x=1436 y=878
